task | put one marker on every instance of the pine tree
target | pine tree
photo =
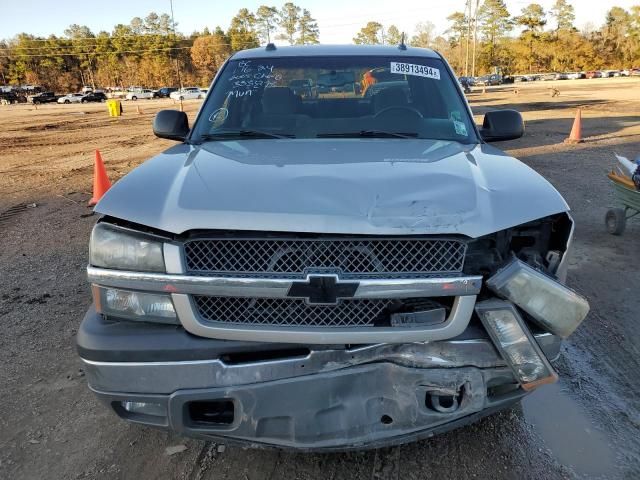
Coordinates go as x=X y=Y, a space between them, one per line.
x=288 y=20
x=495 y=21
x=309 y=33
x=564 y=15
x=266 y=21
x=370 y=34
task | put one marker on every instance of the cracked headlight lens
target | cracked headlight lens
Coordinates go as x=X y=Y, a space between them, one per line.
x=551 y=304
x=515 y=343
x=112 y=247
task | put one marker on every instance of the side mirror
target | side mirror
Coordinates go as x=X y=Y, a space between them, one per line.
x=499 y=125
x=171 y=124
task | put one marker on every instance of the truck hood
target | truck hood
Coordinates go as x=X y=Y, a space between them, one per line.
x=344 y=186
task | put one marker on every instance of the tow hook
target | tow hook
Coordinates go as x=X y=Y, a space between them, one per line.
x=444 y=402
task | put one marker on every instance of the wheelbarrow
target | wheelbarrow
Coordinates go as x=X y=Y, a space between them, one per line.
x=629 y=200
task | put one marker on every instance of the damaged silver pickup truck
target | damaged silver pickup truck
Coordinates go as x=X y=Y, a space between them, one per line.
x=341 y=266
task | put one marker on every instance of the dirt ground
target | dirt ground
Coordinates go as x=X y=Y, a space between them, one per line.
x=586 y=426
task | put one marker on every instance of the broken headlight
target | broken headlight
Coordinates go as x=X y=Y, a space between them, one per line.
x=515 y=343
x=554 y=306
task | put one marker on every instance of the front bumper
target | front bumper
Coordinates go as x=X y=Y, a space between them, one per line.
x=304 y=397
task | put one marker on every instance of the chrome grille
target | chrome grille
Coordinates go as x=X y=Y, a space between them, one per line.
x=352 y=258
x=295 y=312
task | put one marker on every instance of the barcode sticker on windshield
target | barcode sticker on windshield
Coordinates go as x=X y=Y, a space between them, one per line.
x=413 y=69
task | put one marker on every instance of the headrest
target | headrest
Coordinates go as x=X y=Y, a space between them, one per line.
x=278 y=101
x=389 y=97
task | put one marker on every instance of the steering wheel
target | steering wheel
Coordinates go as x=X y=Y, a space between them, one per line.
x=398 y=107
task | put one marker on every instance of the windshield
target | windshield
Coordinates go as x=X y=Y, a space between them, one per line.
x=339 y=97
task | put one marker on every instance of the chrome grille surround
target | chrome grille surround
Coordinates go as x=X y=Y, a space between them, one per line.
x=348 y=257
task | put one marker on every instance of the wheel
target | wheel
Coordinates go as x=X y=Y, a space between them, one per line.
x=181 y=98
x=134 y=98
x=83 y=101
x=102 y=100
x=199 y=97
x=67 y=102
x=616 y=221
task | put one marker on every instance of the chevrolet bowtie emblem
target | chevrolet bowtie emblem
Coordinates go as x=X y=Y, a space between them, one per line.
x=322 y=289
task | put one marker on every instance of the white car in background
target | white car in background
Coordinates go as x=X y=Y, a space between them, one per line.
x=71 y=98
x=188 y=93
x=144 y=93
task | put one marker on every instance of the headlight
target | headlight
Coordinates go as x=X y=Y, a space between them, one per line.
x=149 y=307
x=554 y=306
x=515 y=343
x=112 y=247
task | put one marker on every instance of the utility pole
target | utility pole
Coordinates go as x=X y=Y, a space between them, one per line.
x=467 y=13
x=173 y=27
x=475 y=38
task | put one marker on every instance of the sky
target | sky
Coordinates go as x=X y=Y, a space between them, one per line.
x=338 y=20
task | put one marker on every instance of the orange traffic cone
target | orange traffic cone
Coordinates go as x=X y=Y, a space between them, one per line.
x=101 y=181
x=576 y=131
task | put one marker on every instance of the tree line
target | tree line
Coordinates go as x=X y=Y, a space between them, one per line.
x=485 y=37
x=148 y=51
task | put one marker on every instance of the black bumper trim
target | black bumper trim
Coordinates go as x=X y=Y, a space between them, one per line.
x=298 y=413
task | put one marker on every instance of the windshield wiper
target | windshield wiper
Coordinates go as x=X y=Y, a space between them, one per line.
x=369 y=134
x=242 y=133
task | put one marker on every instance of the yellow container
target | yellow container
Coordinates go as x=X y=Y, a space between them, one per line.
x=115 y=107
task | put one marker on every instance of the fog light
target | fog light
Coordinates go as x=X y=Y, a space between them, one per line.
x=554 y=306
x=145 y=408
x=150 y=307
x=515 y=343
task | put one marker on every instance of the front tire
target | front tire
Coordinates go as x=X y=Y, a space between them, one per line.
x=181 y=98
x=134 y=98
x=616 y=221
x=67 y=102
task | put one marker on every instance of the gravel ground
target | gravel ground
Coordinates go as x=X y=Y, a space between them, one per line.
x=587 y=426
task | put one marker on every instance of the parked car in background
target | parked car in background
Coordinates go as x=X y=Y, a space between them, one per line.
x=71 y=98
x=94 y=97
x=576 y=75
x=164 y=92
x=188 y=93
x=634 y=72
x=465 y=84
x=493 y=79
x=594 y=74
x=44 y=97
x=8 y=96
x=145 y=93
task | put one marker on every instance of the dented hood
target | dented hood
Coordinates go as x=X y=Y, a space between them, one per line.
x=350 y=186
